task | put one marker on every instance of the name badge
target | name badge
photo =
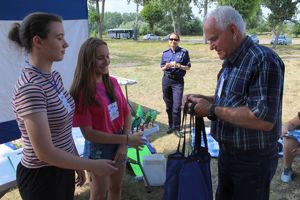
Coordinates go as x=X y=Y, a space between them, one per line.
x=220 y=86
x=113 y=111
x=65 y=102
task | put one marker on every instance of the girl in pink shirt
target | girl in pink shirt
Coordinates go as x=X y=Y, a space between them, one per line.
x=103 y=115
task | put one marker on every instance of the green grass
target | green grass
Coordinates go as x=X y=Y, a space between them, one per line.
x=141 y=61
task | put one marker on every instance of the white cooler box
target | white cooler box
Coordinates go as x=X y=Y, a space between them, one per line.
x=155 y=169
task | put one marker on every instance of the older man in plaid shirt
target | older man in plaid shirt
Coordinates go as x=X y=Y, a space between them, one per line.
x=245 y=109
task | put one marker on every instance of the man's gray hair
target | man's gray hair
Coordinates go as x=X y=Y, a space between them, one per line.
x=226 y=15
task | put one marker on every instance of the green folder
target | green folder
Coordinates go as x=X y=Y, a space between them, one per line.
x=133 y=156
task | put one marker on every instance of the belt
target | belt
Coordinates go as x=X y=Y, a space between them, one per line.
x=224 y=147
x=229 y=148
x=172 y=76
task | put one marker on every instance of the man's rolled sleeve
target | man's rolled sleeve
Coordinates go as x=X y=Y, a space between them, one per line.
x=269 y=91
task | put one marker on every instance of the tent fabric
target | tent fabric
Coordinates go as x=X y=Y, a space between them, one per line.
x=68 y=9
x=12 y=59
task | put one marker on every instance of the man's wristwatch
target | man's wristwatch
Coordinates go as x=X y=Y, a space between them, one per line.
x=212 y=115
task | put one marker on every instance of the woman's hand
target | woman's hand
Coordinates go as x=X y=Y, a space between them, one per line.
x=167 y=66
x=80 y=178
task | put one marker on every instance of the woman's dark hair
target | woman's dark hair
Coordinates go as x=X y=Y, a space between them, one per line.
x=36 y=23
x=174 y=33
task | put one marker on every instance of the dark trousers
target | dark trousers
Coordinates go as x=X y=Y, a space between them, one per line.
x=45 y=183
x=172 y=89
x=245 y=174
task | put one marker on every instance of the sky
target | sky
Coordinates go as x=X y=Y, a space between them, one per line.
x=119 y=6
x=122 y=7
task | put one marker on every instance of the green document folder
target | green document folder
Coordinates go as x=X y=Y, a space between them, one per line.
x=132 y=155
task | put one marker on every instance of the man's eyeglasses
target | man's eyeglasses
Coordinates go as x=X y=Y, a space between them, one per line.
x=174 y=39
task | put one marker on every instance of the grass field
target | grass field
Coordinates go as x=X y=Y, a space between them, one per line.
x=140 y=61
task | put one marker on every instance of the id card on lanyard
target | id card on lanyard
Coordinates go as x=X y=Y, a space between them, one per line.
x=63 y=98
x=61 y=95
x=113 y=111
x=112 y=107
x=220 y=88
x=221 y=82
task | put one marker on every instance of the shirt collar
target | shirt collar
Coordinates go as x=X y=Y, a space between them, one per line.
x=238 y=55
x=176 y=50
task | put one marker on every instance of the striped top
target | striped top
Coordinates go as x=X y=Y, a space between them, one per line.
x=36 y=93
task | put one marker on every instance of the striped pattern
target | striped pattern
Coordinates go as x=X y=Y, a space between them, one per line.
x=34 y=93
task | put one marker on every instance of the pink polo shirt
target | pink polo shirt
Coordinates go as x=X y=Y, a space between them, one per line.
x=97 y=116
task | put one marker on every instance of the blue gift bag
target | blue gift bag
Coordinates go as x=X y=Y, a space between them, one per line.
x=174 y=164
x=189 y=178
x=195 y=176
x=195 y=179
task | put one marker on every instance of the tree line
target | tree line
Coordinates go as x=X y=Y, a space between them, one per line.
x=165 y=16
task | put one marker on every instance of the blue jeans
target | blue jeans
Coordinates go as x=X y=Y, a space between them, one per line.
x=99 y=151
x=172 y=94
x=245 y=174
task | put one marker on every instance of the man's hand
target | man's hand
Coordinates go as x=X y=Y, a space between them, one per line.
x=202 y=107
x=185 y=99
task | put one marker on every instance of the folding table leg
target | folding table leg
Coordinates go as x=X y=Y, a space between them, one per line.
x=143 y=172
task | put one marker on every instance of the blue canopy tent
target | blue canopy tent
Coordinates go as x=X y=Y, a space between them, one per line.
x=75 y=20
x=75 y=16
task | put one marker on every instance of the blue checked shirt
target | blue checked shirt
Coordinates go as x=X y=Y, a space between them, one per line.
x=252 y=77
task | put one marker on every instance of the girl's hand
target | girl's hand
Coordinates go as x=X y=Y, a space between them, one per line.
x=121 y=155
x=103 y=167
x=80 y=178
x=136 y=140
x=284 y=130
x=296 y=151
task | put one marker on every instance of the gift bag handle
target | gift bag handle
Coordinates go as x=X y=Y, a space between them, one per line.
x=183 y=126
x=200 y=133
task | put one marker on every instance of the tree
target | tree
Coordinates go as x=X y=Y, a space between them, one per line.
x=135 y=28
x=129 y=17
x=248 y=9
x=112 y=20
x=177 y=9
x=255 y=20
x=296 y=29
x=100 y=18
x=281 y=11
x=152 y=13
x=202 y=4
